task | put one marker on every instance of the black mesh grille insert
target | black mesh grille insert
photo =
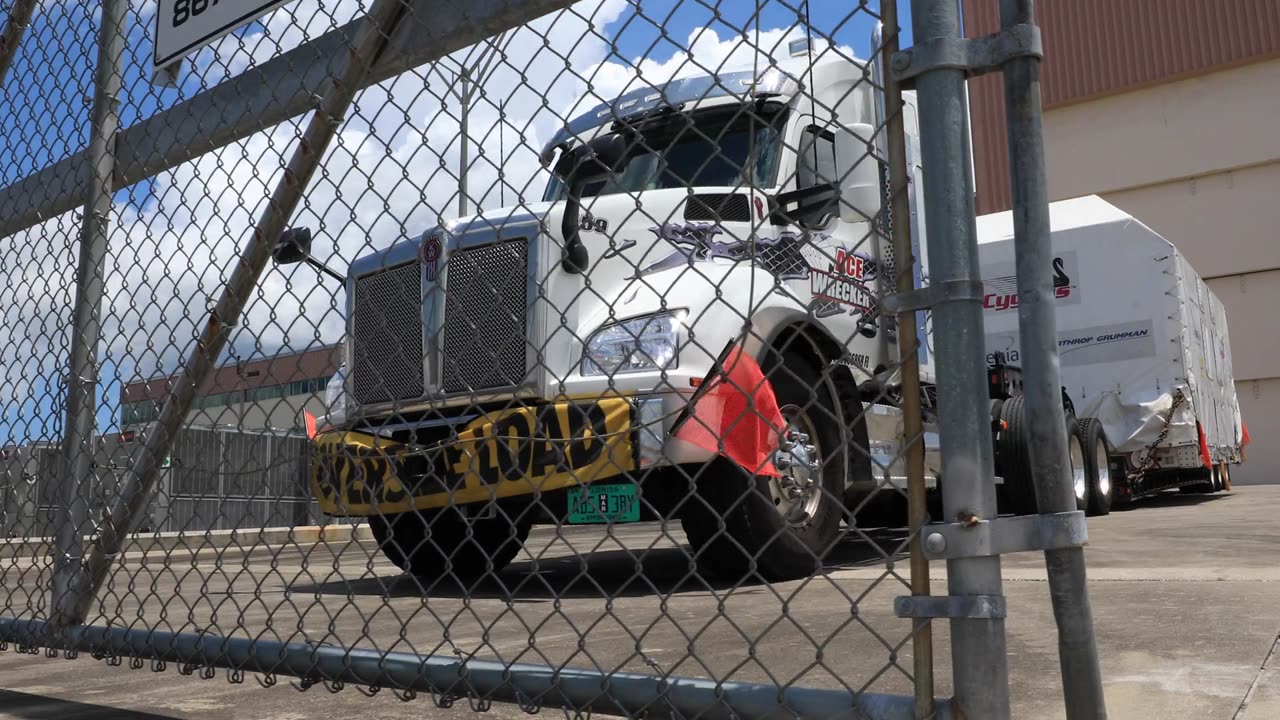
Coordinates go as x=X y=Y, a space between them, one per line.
x=386 y=335
x=485 y=317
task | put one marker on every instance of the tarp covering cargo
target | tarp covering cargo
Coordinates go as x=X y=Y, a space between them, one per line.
x=1136 y=324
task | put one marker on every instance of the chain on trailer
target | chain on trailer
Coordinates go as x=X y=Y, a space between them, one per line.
x=1136 y=475
x=563 y=354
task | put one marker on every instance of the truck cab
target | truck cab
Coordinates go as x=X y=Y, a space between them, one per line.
x=685 y=326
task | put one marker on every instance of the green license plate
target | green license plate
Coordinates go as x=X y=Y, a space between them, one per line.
x=604 y=503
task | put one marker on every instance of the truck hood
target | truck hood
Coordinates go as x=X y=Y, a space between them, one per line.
x=677 y=250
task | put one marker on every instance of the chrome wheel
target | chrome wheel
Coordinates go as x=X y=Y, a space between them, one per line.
x=1079 y=477
x=798 y=491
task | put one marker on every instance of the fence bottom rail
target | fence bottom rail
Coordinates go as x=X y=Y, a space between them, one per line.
x=480 y=681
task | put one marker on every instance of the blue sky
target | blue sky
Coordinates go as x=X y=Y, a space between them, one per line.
x=46 y=119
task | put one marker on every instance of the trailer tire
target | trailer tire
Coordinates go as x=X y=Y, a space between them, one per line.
x=1097 y=463
x=1076 y=462
x=1014 y=458
x=444 y=543
x=737 y=525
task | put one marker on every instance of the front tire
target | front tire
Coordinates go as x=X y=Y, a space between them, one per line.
x=436 y=543
x=779 y=528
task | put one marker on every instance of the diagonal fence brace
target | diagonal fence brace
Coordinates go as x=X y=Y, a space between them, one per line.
x=139 y=485
x=15 y=26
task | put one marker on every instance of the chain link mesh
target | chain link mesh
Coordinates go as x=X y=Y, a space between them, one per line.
x=606 y=387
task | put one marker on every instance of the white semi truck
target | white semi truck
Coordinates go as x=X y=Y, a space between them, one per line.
x=532 y=364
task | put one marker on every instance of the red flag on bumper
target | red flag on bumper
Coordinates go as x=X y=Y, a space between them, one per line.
x=735 y=414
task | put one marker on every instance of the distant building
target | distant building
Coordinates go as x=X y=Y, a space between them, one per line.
x=266 y=394
x=1167 y=109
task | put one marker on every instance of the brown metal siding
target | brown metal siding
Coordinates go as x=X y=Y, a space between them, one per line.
x=279 y=370
x=1102 y=47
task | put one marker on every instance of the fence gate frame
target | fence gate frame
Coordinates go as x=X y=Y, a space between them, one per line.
x=399 y=35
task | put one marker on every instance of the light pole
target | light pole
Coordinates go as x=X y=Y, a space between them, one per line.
x=483 y=66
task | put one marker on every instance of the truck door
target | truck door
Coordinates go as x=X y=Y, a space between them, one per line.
x=843 y=257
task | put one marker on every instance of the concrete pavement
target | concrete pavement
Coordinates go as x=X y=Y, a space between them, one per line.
x=1185 y=592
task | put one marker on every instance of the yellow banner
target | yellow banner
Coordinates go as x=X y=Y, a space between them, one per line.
x=502 y=454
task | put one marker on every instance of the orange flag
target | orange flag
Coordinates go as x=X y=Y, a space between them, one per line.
x=735 y=413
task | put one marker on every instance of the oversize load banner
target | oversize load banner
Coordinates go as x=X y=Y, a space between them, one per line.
x=503 y=454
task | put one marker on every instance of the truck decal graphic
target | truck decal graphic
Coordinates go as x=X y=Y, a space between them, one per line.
x=695 y=242
x=1001 y=293
x=1087 y=346
x=839 y=289
x=842 y=287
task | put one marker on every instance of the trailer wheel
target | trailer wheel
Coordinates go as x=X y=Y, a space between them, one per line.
x=785 y=526
x=1014 y=458
x=1097 y=464
x=1076 y=458
x=434 y=544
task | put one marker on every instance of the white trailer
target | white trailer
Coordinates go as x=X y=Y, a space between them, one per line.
x=1139 y=332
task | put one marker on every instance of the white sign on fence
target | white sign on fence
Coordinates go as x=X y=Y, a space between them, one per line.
x=184 y=26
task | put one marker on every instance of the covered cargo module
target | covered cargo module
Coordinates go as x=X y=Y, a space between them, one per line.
x=1142 y=342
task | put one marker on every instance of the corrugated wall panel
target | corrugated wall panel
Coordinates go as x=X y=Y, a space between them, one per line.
x=1101 y=47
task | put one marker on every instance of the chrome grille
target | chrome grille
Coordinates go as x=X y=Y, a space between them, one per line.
x=483 y=345
x=386 y=336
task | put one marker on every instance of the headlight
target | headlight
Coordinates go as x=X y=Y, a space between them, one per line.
x=335 y=397
x=635 y=345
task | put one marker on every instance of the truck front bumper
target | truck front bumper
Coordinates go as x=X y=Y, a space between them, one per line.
x=522 y=451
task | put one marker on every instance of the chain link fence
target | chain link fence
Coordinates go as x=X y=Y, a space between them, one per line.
x=566 y=354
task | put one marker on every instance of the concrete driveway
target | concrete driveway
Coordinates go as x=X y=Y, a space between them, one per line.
x=1185 y=592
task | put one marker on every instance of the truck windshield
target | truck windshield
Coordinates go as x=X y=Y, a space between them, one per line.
x=723 y=146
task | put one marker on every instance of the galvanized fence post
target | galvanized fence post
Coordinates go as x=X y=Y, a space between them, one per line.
x=1037 y=326
x=77 y=471
x=140 y=481
x=980 y=668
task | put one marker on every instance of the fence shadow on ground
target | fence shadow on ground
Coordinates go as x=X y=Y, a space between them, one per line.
x=616 y=573
x=30 y=705
x=1173 y=499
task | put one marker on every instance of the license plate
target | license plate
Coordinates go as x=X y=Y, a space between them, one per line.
x=604 y=503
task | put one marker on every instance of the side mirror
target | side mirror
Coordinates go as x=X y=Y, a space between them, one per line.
x=593 y=160
x=293 y=246
x=860 y=192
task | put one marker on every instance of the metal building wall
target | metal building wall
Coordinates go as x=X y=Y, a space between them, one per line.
x=1102 y=47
